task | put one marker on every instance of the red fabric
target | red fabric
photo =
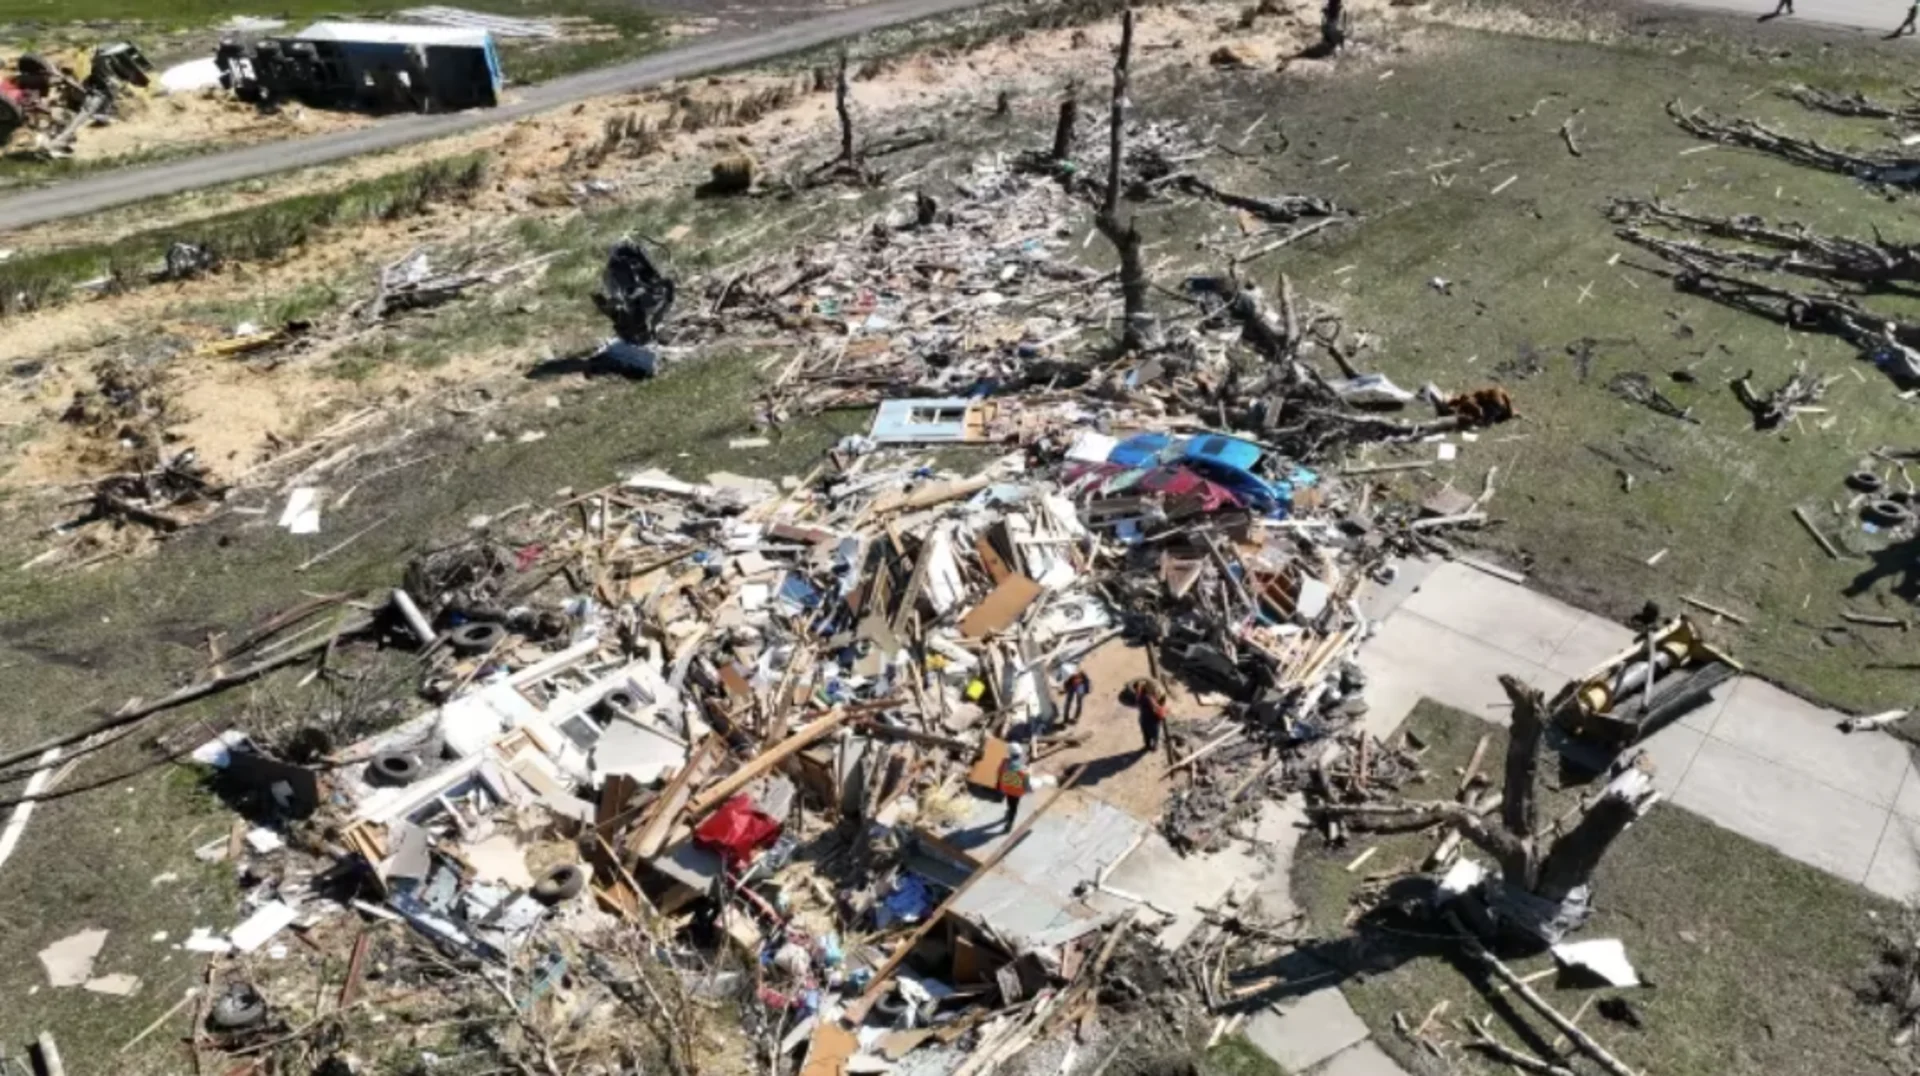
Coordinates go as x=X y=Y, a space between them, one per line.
x=737 y=831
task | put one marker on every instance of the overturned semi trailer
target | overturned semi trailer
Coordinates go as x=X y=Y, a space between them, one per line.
x=375 y=67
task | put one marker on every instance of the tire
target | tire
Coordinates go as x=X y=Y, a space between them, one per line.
x=476 y=637
x=1866 y=482
x=620 y=701
x=559 y=885
x=237 y=1009
x=1888 y=512
x=393 y=768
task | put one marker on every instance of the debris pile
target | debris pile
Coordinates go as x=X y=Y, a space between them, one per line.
x=53 y=100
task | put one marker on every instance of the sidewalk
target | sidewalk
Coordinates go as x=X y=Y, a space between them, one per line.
x=1755 y=760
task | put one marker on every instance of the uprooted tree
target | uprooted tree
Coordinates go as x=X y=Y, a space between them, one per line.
x=1545 y=875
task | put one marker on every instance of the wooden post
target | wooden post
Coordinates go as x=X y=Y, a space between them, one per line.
x=768 y=759
x=840 y=106
x=1063 y=130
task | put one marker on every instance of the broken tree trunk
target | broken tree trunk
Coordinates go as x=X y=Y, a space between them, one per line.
x=1333 y=27
x=1570 y=864
x=1786 y=248
x=841 y=92
x=1125 y=238
x=1519 y=809
x=1063 y=128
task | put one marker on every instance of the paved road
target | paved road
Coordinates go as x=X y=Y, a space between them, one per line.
x=108 y=189
x=1871 y=15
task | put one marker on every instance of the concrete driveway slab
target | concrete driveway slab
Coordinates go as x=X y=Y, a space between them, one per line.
x=1308 y=1030
x=1364 y=1059
x=1673 y=750
x=1896 y=866
x=1155 y=872
x=1704 y=718
x=1512 y=618
x=1592 y=641
x=1801 y=736
x=1380 y=601
x=1413 y=657
x=1907 y=803
x=1783 y=808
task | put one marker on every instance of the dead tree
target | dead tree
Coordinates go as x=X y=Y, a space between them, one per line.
x=1124 y=237
x=1545 y=877
x=841 y=93
x=1851 y=104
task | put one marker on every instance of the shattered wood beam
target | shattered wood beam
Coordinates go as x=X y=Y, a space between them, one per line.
x=1520 y=807
x=856 y=1013
x=771 y=757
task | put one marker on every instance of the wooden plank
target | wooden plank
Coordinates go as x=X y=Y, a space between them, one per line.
x=672 y=800
x=985 y=772
x=999 y=609
x=768 y=759
x=832 y=1047
x=856 y=1013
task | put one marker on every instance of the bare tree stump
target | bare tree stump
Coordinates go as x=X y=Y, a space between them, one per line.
x=1125 y=238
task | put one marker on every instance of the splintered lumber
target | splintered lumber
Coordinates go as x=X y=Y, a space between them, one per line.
x=768 y=759
x=857 y=1012
x=1807 y=522
x=1473 y=763
x=672 y=801
x=1714 y=609
x=1580 y=1039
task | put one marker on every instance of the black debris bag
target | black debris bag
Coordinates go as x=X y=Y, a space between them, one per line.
x=634 y=294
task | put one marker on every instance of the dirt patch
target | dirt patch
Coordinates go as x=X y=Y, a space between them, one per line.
x=1119 y=770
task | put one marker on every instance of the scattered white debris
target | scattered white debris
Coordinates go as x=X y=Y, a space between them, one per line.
x=69 y=961
x=302 y=514
x=1604 y=957
x=260 y=927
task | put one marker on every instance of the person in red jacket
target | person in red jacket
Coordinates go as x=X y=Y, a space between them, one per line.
x=1151 y=700
x=1014 y=780
x=1077 y=688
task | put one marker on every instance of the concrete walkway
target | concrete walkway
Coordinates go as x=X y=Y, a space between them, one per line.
x=1755 y=760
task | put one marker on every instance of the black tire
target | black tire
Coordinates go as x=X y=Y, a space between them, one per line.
x=393 y=768
x=622 y=701
x=237 y=1009
x=559 y=885
x=476 y=637
x=1866 y=482
x=1888 y=512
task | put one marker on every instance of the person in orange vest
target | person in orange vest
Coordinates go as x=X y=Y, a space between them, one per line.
x=1151 y=701
x=1014 y=780
x=1077 y=687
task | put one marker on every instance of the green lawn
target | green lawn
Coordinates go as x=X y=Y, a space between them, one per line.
x=1753 y=958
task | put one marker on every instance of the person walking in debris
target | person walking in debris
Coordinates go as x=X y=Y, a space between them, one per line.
x=1077 y=687
x=1151 y=700
x=1907 y=27
x=1785 y=8
x=1014 y=780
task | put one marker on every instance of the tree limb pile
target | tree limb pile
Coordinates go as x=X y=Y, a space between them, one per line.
x=1851 y=104
x=1785 y=248
x=1891 y=170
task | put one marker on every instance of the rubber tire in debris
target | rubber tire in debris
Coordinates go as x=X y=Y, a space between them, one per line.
x=237 y=1010
x=1865 y=481
x=559 y=885
x=1889 y=513
x=394 y=768
x=622 y=701
x=476 y=637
